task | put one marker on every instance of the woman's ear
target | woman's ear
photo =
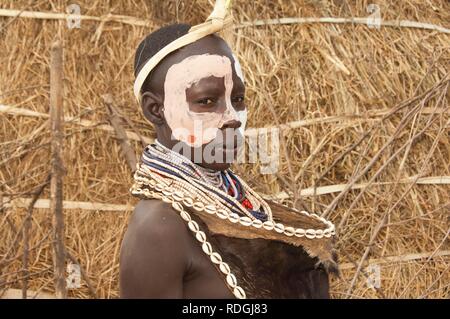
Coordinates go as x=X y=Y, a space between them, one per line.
x=152 y=106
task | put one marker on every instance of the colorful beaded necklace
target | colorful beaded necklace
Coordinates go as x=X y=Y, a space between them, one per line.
x=229 y=189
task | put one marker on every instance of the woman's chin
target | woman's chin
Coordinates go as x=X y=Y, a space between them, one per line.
x=216 y=166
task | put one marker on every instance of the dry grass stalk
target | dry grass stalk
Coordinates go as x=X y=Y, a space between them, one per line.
x=127 y=151
x=333 y=20
x=398 y=259
x=26 y=239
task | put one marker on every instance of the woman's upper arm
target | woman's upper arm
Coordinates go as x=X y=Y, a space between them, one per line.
x=154 y=253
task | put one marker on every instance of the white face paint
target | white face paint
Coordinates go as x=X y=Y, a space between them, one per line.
x=241 y=114
x=243 y=119
x=197 y=128
x=237 y=67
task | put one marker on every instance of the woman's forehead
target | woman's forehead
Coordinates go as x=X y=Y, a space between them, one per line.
x=209 y=45
x=196 y=67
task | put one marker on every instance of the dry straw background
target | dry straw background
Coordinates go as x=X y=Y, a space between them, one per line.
x=370 y=107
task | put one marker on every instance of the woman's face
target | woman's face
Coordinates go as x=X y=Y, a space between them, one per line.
x=199 y=98
x=203 y=103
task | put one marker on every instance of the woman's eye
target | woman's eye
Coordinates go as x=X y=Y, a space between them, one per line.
x=238 y=99
x=206 y=101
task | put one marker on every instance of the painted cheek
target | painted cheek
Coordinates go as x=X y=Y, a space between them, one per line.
x=198 y=128
x=191 y=139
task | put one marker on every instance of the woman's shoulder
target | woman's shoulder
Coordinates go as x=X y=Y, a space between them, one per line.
x=155 y=219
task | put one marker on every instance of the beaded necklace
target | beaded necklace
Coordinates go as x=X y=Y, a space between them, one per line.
x=229 y=188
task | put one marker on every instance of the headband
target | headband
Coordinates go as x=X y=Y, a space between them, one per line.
x=217 y=20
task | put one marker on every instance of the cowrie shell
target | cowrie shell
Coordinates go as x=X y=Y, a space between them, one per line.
x=279 y=228
x=201 y=237
x=185 y=216
x=245 y=221
x=177 y=206
x=207 y=249
x=257 y=223
x=268 y=225
x=234 y=218
x=310 y=233
x=188 y=201
x=299 y=232
x=231 y=280
x=224 y=268
x=239 y=293
x=289 y=231
x=193 y=226
x=210 y=209
x=215 y=258
x=178 y=195
x=199 y=206
x=222 y=213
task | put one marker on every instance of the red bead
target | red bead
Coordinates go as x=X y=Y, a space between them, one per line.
x=246 y=203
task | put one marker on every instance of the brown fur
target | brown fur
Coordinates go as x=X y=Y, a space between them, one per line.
x=268 y=267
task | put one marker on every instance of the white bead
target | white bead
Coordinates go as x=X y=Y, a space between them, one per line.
x=193 y=226
x=289 y=231
x=268 y=225
x=185 y=216
x=246 y=221
x=215 y=258
x=201 y=237
x=231 y=280
x=224 y=268
x=159 y=187
x=279 y=228
x=207 y=249
x=234 y=218
x=239 y=293
x=199 y=206
x=257 y=223
x=310 y=233
x=222 y=213
x=299 y=232
x=327 y=233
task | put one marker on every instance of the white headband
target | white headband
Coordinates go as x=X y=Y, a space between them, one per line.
x=216 y=21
